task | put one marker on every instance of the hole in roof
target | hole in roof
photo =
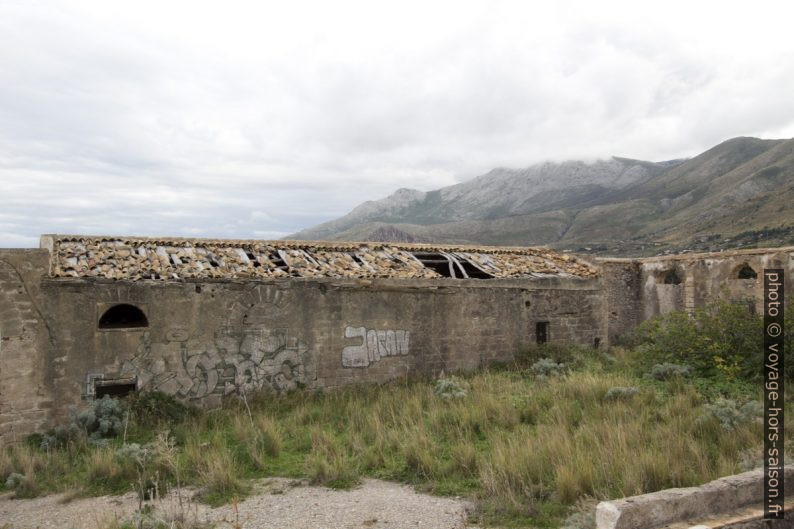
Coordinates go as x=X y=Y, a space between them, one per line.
x=123 y=316
x=436 y=262
x=276 y=259
x=473 y=271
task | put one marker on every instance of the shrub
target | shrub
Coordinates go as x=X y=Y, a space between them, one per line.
x=621 y=392
x=14 y=480
x=546 y=367
x=667 y=371
x=102 y=419
x=450 y=388
x=568 y=354
x=156 y=407
x=730 y=415
x=722 y=339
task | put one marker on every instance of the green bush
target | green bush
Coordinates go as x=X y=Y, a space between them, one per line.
x=667 y=371
x=621 y=392
x=561 y=353
x=102 y=419
x=156 y=407
x=730 y=415
x=450 y=388
x=546 y=368
x=721 y=340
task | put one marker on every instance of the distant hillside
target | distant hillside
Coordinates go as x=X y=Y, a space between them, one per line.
x=737 y=194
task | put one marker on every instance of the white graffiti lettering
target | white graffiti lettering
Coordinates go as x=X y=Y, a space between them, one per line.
x=375 y=344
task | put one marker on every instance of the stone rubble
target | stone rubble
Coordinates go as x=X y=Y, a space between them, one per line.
x=174 y=259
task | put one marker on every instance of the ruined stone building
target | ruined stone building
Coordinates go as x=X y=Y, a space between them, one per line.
x=82 y=317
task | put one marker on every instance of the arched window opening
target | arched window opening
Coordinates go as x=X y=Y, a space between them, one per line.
x=747 y=272
x=670 y=277
x=123 y=316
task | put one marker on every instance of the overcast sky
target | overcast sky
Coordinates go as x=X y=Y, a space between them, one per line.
x=227 y=119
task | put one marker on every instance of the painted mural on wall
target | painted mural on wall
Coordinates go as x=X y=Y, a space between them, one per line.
x=375 y=344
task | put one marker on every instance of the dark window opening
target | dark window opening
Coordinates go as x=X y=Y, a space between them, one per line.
x=542 y=332
x=114 y=388
x=670 y=277
x=527 y=304
x=436 y=262
x=747 y=272
x=123 y=316
x=596 y=342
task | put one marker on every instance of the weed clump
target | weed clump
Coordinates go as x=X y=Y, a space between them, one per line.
x=102 y=419
x=450 y=388
x=547 y=368
x=156 y=407
x=730 y=415
x=667 y=371
x=621 y=392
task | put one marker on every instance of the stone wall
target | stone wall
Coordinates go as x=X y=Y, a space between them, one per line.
x=25 y=344
x=622 y=281
x=638 y=289
x=208 y=338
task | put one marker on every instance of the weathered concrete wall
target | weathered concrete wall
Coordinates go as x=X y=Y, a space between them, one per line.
x=206 y=338
x=25 y=344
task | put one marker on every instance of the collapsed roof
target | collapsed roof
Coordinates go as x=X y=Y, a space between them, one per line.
x=139 y=258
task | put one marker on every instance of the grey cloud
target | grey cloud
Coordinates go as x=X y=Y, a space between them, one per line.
x=182 y=120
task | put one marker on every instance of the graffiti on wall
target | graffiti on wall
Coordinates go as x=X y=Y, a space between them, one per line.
x=375 y=344
x=244 y=360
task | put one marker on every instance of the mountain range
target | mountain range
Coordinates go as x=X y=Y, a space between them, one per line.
x=739 y=193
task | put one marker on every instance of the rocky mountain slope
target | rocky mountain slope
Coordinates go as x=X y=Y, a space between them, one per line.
x=737 y=194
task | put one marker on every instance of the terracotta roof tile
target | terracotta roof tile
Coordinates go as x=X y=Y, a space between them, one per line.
x=138 y=258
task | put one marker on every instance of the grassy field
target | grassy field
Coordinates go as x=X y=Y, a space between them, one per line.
x=531 y=442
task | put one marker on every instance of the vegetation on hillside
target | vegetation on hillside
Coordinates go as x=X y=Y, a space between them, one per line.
x=532 y=441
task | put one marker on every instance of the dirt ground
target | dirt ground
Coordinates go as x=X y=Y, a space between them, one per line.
x=278 y=503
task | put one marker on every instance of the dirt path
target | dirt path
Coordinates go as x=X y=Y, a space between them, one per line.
x=278 y=504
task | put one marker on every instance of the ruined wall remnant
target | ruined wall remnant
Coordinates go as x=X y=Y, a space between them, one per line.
x=639 y=289
x=95 y=324
x=25 y=342
x=622 y=283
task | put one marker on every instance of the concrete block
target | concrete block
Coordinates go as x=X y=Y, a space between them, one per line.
x=657 y=509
